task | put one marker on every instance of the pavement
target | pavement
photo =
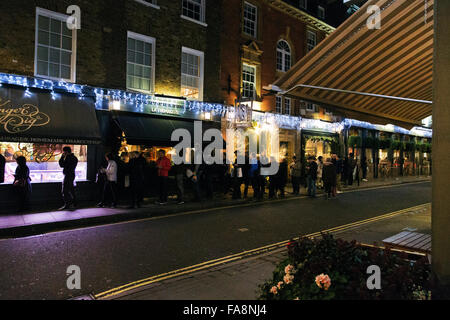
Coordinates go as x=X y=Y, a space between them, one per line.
x=240 y=280
x=161 y=247
x=33 y=223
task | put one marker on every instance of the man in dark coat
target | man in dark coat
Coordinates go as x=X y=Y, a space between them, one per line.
x=2 y=168
x=329 y=178
x=69 y=163
x=282 y=176
x=312 y=176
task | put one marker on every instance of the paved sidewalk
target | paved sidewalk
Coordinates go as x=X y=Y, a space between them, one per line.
x=240 y=280
x=17 y=225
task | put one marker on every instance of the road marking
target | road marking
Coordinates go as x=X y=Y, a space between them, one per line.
x=234 y=257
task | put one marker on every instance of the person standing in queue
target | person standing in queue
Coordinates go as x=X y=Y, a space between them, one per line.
x=163 y=165
x=68 y=162
x=22 y=184
x=2 y=168
x=312 y=177
x=136 y=167
x=111 y=181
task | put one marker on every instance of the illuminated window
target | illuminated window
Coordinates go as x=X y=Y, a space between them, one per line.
x=311 y=40
x=283 y=56
x=55 y=46
x=287 y=106
x=279 y=105
x=140 y=62
x=192 y=74
x=194 y=9
x=248 y=81
x=42 y=160
x=250 y=19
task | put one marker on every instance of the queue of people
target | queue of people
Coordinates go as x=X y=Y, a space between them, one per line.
x=129 y=181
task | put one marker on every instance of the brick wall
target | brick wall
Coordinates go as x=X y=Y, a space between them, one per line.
x=102 y=40
x=273 y=25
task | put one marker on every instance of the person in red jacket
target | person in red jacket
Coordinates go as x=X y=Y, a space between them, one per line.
x=163 y=165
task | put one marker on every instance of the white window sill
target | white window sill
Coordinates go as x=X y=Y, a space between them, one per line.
x=195 y=21
x=54 y=78
x=148 y=4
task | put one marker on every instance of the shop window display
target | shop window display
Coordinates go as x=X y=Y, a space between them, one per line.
x=42 y=159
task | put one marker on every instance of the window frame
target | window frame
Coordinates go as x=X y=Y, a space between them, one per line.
x=149 y=3
x=202 y=20
x=285 y=104
x=201 y=55
x=310 y=107
x=254 y=82
x=73 y=61
x=284 y=53
x=152 y=41
x=319 y=10
x=310 y=32
x=279 y=104
x=303 y=4
x=255 y=35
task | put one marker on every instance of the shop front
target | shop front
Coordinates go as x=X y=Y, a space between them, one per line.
x=38 y=124
x=144 y=124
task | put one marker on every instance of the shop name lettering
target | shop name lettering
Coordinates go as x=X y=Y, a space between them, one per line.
x=165 y=110
x=21 y=119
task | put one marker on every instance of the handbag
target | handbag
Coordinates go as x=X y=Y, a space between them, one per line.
x=21 y=183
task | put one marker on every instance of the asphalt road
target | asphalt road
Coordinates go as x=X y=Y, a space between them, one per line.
x=113 y=255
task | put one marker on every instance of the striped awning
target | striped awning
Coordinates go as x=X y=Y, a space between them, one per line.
x=384 y=72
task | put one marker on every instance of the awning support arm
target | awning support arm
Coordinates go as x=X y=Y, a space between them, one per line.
x=281 y=92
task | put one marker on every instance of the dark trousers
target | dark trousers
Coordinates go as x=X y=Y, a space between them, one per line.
x=273 y=187
x=180 y=186
x=137 y=192
x=23 y=198
x=261 y=186
x=296 y=185
x=163 y=181
x=110 y=189
x=255 y=186
x=237 y=188
x=68 y=190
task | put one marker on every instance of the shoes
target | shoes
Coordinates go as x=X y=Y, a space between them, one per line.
x=180 y=202
x=64 y=207
x=162 y=203
x=100 y=205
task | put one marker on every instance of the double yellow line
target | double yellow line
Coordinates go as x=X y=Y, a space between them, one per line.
x=208 y=264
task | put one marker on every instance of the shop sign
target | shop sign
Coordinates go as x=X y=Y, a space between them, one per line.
x=21 y=119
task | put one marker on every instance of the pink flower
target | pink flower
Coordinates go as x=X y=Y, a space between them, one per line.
x=274 y=290
x=289 y=269
x=280 y=284
x=288 y=278
x=323 y=280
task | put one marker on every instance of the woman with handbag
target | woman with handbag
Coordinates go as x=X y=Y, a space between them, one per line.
x=22 y=184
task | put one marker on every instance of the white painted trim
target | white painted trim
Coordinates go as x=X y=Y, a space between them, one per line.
x=152 y=41
x=148 y=4
x=200 y=54
x=73 y=62
x=193 y=20
x=256 y=20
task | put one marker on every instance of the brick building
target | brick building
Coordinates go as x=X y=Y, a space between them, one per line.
x=97 y=54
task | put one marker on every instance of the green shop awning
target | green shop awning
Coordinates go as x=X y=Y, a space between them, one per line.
x=37 y=116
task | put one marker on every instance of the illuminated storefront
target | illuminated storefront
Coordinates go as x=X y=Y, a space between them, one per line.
x=38 y=123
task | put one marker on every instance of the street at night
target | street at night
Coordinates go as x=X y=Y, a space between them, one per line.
x=224 y=157
x=114 y=255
